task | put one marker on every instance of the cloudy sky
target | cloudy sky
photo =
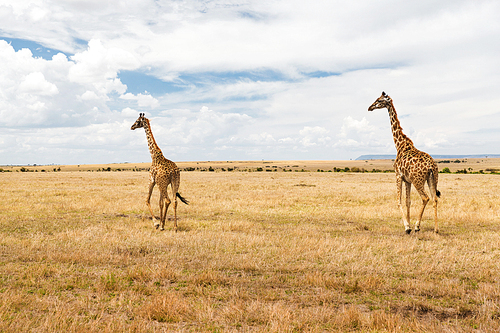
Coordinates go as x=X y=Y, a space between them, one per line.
x=245 y=80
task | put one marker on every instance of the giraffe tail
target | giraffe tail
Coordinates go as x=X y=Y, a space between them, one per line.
x=434 y=178
x=182 y=198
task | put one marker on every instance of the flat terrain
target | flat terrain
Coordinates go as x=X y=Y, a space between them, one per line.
x=256 y=251
x=486 y=165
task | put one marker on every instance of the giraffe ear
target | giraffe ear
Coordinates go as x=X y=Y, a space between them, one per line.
x=384 y=94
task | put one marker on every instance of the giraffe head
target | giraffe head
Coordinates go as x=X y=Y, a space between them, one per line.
x=140 y=122
x=384 y=101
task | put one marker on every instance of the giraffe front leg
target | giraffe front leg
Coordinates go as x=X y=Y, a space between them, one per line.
x=399 y=183
x=156 y=224
x=161 y=204
x=408 y=205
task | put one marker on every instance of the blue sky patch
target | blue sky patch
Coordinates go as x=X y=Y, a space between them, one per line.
x=138 y=82
x=320 y=74
x=38 y=50
x=266 y=75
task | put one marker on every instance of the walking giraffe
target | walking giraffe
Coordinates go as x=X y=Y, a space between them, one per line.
x=412 y=166
x=163 y=172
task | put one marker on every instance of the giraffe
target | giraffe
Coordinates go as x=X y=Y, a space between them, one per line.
x=411 y=166
x=163 y=172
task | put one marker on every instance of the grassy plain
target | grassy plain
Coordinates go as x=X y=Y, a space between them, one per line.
x=487 y=165
x=256 y=251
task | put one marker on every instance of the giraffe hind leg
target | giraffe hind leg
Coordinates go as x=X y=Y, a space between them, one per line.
x=165 y=199
x=175 y=213
x=425 y=200
x=434 y=195
x=175 y=188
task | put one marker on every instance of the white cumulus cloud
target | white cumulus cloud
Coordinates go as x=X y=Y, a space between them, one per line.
x=143 y=100
x=35 y=83
x=247 y=79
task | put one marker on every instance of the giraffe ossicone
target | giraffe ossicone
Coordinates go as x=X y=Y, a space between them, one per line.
x=163 y=172
x=411 y=166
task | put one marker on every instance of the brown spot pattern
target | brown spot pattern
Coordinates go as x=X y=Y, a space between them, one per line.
x=411 y=166
x=163 y=172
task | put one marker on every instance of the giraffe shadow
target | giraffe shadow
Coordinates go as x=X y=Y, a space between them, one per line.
x=169 y=218
x=429 y=234
x=169 y=226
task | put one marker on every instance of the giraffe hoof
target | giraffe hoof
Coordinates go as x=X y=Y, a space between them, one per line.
x=417 y=230
x=408 y=231
x=157 y=225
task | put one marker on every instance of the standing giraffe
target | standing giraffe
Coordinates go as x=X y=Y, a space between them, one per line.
x=412 y=166
x=163 y=172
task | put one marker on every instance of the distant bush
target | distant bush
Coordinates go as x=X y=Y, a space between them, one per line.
x=446 y=170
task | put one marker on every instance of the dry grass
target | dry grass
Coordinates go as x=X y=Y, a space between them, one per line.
x=487 y=165
x=262 y=251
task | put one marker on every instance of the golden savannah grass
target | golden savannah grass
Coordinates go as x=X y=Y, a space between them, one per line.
x=255 y=251
x=471 y=165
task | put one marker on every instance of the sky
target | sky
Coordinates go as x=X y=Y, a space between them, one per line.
x=245 y=80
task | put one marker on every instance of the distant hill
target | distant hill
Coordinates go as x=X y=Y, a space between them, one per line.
x=440 y=157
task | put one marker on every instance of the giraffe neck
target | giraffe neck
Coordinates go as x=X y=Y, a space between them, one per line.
x=155 y=151
x=401 y=141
